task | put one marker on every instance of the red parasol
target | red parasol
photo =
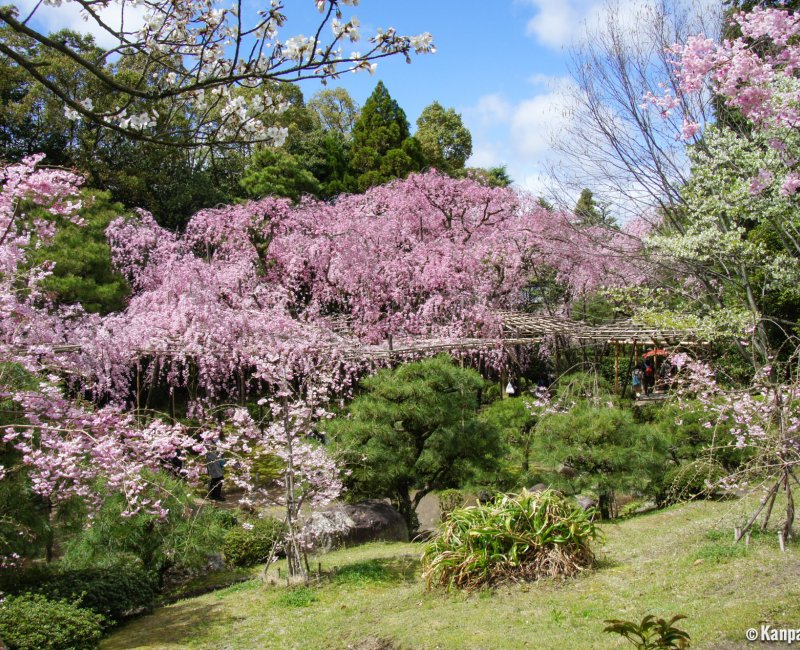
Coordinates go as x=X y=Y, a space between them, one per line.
x=655 y=353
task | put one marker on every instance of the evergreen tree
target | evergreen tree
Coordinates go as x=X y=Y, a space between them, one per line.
x=446 y=143
x=589 y=212
x=275 y=172
x=82 y=272
x=593 y=445
x=382 y=146
x=415 y=429
x=335 y=109
x=491 y=176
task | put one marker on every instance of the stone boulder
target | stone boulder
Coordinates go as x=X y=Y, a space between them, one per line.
x=349 y=524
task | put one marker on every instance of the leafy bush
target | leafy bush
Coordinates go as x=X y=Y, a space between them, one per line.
x=600 y=449
x=182 y=540
x=114 y=591
x=415 y=426
x=248 y=546
x=516 y=423
x=449 y=500
x=652 y=633
x=692 y=479
x=32 y=622
x=516 y=537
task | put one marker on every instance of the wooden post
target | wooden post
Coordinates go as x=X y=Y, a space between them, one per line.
x=630 y=370
x=503 y=382
x=616 y=367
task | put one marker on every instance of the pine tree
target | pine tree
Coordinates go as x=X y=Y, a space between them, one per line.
x=415 y=429
x=591 y=213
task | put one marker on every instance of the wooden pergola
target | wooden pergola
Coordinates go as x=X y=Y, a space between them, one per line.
x=623 y=332
x=521 y=328
x=518 y=328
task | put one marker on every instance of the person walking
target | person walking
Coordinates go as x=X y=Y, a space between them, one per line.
x=649 y=376
x=215 y=465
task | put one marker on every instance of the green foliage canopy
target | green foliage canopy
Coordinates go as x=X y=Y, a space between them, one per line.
x=82 y=271
x=382 y=146
x=414 y=429
x=596 y=446
x=446 y=143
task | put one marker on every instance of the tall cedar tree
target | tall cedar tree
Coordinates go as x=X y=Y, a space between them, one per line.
x=382 y=146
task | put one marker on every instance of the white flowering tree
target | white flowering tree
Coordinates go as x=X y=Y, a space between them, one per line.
x=205 y=60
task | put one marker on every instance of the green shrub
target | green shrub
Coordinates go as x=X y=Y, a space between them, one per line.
x=113 y=591
x=516 y=537
x=635 y=507
x=180 y=541
x=692 y=479
x=516 y=423
x=600 y=449
x=246 y=547
x=32 y=622
x=449 y=500
x=16 y=581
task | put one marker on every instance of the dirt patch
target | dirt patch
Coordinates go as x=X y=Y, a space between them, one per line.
x=374 y=643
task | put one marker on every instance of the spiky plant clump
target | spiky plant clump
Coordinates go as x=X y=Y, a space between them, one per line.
x=516 y=537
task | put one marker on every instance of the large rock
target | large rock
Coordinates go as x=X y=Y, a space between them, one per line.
x=349 y=524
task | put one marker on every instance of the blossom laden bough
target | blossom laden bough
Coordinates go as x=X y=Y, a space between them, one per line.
x=207 y=59
x=754 y=73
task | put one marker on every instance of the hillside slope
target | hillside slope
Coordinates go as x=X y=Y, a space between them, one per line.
x=680 y=560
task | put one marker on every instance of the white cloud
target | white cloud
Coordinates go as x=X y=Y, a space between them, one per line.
x=518 y=135
x=70 y=16
x=534 y=120
x=485 y=155
x=553 y=24
x=536 y=183
x=558 y=23
x=491 y=108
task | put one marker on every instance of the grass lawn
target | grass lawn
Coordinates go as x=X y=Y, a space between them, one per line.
x=677 y=561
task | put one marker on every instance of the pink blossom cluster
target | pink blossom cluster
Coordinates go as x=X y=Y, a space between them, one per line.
x=755 y=73
x=25 y=188
x=263 y=289
x=264 y=298
x=763 y=418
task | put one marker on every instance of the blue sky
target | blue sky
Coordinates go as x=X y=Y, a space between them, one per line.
x=499 y=63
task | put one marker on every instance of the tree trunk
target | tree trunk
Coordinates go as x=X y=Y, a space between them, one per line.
x=605 y=504
x=405 y=507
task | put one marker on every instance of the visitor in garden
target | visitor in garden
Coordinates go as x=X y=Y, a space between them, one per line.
x=649 y=376
x=215 y=466
x=637 y=381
